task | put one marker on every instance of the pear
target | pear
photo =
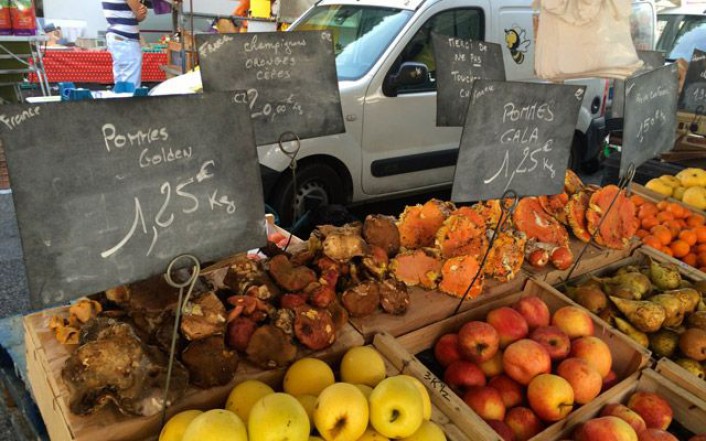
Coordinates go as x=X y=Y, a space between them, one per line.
x=700 y=286
x=634 y=284
x=685 y=284
x=627 y=269
x=591 y=297
x=673 y=308
x=664 y=276
x=626 y=328
x=688 y=297
x=697 y=320
x=664 y=343
x=644 y=315
x=692 y=366
x=701 y=306
x=609 y=314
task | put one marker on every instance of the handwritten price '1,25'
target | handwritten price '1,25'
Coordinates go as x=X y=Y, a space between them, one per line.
x=267 y=110
x=437 y=385
x=700 y=93
x=164 y=221
x=531 y=160
x=652 y=121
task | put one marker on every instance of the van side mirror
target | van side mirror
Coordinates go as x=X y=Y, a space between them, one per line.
x=410 y=73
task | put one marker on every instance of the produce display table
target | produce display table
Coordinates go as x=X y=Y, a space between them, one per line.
x=82 y=66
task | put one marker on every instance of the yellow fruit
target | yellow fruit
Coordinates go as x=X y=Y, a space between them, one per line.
x=278 y=417
x=678 y=193
x=670 y=180
x=426 y=401
x=244 y=396
x=216 y=425
x=315 y=438
x=371 y=435
x=362 y=365
x=428 y=432
x=696 y=197
x=660 y=187
x=367 y=390
x=308 y=402
x=308 y=376
x=692 y=177
x=175 y=427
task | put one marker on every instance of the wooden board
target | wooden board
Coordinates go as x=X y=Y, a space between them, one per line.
x=429 y=306
x=46 y=358
x=628 y=358
x=689 y=410
x=595 y=257
x=655 y=197
x=681 y=377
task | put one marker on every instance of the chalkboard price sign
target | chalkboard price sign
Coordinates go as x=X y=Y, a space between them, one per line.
x=288 y=79
x=693 y=94
x=650 y=122
x=459 y=63
x=517 y=136
x=108 y=192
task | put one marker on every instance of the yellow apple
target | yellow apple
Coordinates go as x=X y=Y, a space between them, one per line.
x=175 y=427
x=277 y=417
x=696 y=197
x=308 y=376
x=426 y=401
x=315 y=438
x=372 y=435
x=216 y=425
x=308 y=402
x=659 y=186
x=396 y=407
x=244 y=396
x=427 y=432
x=341 y=413
x=362 y=365
x=367 y=390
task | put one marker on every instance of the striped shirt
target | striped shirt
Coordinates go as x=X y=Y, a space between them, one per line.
x=121 y=20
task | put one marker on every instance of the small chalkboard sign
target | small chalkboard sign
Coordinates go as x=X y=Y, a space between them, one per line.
x=459 y=63
x=288 y=78
x=693 y=94
x=108 y=192
x=517 y=136
x=652 y=59
x=650 y=122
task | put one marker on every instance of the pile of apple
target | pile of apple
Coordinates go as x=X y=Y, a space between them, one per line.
x=646 y=417
x=524 y=367
x=365 y=406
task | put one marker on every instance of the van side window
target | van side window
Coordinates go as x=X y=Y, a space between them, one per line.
x=466 y=23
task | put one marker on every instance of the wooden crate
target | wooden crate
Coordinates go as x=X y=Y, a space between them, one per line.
x=689 y=410
x=681 y=377
x=655 y=197
x=46 y=358
x=430 y=306
x=628 y=357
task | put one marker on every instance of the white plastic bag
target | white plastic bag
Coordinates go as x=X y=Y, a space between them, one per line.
x=584 y=38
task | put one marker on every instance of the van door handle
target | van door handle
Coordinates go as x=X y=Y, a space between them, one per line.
x=351 y=117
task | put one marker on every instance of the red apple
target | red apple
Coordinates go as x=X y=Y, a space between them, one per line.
x=494 y=366
x=595 y=351
x=624 y=413
x=486 y=402
x=605 y=429
x=525 y=359
x=510 y=390
x=463 y=374
x=534 y=310
x=656 y=435
x=523 y=422
x=654 y=409
x=610 y=380
x=550 y=397
x=502 y=430
x=478 y=341
x=573 y=320
x=446 y=349
x=554 y=340
x=583 y=378
x=510 y=324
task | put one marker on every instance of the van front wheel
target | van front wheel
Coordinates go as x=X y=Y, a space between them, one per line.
x=317 y=184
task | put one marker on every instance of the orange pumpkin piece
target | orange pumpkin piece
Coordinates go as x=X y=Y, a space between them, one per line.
x=531 y=219
x=506 y=256
x=689 y=237
x=417 y=268
x=418 y=224
x=490 y=211
x=457 y=274
x=555 y=206
x=618 y=226
x=680 y=248
x=576 y=214
x=572 y=183
x=462 y=233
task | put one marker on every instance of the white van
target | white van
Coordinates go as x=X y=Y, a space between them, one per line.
x=392 y=145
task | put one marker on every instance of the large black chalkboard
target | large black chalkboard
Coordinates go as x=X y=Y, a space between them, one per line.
x=108 y=192
x=459 y=63
x=693 y=94
x=288 y=78
x=650 y=121
x=516 y=136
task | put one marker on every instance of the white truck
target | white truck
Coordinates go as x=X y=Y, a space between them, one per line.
x=392 y=145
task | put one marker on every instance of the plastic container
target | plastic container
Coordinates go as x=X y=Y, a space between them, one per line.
x=24 y=18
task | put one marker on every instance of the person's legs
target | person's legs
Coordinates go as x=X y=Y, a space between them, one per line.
x=127 y=59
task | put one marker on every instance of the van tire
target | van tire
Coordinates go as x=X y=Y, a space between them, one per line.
x=314 y=180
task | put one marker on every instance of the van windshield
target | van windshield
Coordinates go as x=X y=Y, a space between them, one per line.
x=360 y=34
x=681 y=34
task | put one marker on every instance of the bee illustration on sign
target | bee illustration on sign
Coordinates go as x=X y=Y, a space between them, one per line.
x=517 y=42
